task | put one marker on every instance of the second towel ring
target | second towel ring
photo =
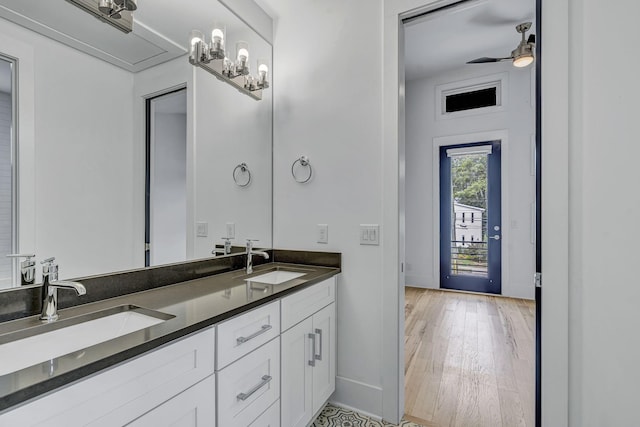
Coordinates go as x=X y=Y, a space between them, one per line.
x=304 y=162
x=243 y=168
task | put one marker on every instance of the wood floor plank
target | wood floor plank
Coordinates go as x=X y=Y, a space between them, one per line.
x=469 y=359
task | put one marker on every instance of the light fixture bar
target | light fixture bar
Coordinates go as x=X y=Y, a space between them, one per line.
x=124 y=23
x=215 y=67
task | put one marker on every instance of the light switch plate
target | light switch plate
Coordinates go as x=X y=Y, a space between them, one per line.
x=202 y=229
x=323 y=233
x=369 y=234
x=231 y=230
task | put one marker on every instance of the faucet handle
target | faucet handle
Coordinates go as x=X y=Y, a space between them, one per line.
x=48 y=261
x=227 y=238
x=27 y=256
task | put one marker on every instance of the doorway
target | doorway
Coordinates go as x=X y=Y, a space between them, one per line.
x=166 y=178
x=470 y=217
x=479 y=200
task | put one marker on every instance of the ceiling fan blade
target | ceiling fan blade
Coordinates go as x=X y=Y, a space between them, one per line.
x=532 y=38
x=485 y=60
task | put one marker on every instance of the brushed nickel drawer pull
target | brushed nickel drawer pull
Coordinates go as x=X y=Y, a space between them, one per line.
x=312 y=337
x=319 y=355
x=265 y=380
x=242 y=340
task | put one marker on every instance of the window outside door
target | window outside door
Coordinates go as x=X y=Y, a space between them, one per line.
x=470 y=217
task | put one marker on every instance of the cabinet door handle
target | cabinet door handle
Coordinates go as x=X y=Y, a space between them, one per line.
x=263 y=329
x=312 y=337
x=265 y=380
x=319 y=355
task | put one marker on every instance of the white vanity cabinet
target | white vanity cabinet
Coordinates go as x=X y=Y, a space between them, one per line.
x=192 y=408
x=308 y=353
x=128 y=391
x=272 y=366
x=248 y=361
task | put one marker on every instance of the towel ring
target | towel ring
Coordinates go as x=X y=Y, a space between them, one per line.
x=304 y=162
x=244 y=169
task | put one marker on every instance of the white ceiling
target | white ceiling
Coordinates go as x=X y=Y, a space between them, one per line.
x=446 y=40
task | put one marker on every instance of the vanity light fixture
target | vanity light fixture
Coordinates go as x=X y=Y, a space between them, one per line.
x=117 y=13
x=213 y=58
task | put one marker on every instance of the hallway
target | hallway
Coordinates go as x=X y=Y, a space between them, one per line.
x=469 y=359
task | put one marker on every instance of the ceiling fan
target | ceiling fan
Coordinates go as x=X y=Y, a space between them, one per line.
x=521 y=55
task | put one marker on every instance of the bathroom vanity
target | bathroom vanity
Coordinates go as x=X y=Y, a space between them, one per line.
x=230 y=349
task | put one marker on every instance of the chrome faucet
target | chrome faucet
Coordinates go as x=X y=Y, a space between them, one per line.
x=251 y=253
x=50 y=286
x=27 y=268
x=227 y=247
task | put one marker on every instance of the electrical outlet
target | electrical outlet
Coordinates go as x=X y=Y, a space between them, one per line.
x=323 y=233
x=369 y=234
x=202 y=229
x=231 y=230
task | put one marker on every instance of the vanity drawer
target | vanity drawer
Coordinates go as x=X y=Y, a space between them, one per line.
x=249 y=386
x=300 y=305
x=246 y=332
x=270 y=418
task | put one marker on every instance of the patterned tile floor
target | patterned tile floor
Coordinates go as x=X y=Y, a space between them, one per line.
x=332 y=416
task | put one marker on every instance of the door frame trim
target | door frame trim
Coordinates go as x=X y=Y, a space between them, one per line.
x=554 y=24
x=501 y=135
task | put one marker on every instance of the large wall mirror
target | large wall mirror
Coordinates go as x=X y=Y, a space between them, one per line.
x=93 y=139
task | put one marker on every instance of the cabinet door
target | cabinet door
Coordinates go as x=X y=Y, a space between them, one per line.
x=194 y=407
x=324 y=372
x=297 y=374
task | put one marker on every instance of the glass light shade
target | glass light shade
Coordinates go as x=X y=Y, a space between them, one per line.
x=195 y=37
x=523 y=61
x=263 y=72
x=242 y=48
x=217 y=35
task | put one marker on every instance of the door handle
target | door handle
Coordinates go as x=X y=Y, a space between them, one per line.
x=495 y=237
x=319 y=355
x=312 y=337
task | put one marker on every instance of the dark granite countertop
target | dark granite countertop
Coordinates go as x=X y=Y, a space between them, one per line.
x=196 y=304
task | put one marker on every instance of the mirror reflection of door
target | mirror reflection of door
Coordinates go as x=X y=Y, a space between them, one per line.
x=470 y=217
x=8 y=222
x=166 y=180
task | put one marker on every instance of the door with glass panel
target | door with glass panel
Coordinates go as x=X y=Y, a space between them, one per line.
x=470 y=217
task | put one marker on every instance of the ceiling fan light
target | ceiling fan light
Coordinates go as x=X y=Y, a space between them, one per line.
x=523 y=60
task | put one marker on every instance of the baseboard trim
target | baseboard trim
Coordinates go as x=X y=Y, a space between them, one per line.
x=358 y=396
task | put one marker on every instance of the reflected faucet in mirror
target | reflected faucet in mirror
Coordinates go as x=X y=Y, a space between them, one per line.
x=50 y=285
x=226 y=250
x=27 y=268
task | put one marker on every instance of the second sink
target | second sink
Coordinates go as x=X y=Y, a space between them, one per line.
x=275 y=277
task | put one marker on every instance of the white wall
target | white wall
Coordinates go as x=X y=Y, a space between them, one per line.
x=604 y=317
x=169 y=188
x=83 y=127
x=327 y=79
x=518 y=119
x=231 y=128
x=6 y=187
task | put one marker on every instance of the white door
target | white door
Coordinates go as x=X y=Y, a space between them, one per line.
x=297 y=375
x=324 y=371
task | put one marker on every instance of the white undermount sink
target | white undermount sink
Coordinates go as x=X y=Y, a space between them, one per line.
x=275 y=277
x=50 y=341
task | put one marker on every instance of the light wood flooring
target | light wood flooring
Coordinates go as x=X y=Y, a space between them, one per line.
x=469 y=359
